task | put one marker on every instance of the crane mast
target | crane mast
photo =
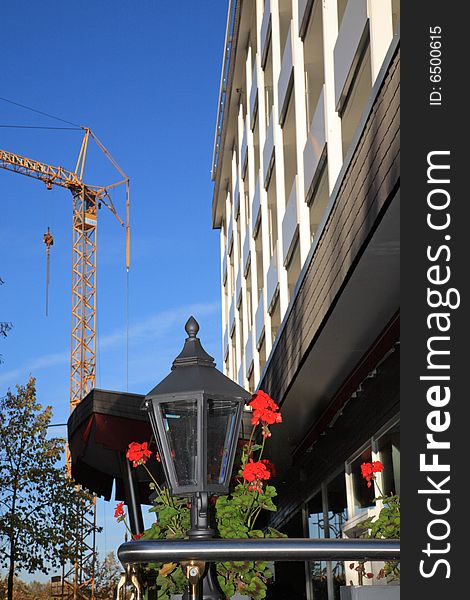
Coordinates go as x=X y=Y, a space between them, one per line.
x=86 y=200
x=83 y=340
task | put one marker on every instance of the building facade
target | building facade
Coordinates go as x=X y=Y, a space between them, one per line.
x=306 y=197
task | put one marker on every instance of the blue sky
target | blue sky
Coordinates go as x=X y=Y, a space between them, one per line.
x=145 y=77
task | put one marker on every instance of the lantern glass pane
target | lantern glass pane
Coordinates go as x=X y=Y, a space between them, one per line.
x=221 y=422
x=180 y=425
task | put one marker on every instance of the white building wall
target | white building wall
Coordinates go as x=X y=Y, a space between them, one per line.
x=366 y=29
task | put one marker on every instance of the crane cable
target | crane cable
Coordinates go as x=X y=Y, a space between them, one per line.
x=127 y=330
x=40 y=112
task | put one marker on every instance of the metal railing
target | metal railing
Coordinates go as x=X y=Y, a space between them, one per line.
x=279 y=549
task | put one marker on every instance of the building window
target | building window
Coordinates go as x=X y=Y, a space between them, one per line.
x=289 y=138
x=268 y=83
x=272 y=213
x=239 y=239
x=226 y=302
x=231 y=272
x=249 y=300
x=285 y=16
x=361 y=497
x=247 y=207
x=383 y=447
x=318 y=201
x=356 y=100
x=341 y=8
x=262 y=353
x=313 y=60
x=259 y=261
x=252 y=37
x=256 y=145
x=223 y=233
x=251 y=381
x=242 y=341
x=388 y=448
x=233 y=373
x=275 y=319
x=326 y=513
x=293 y=268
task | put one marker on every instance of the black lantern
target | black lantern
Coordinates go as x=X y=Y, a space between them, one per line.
x=195 y=413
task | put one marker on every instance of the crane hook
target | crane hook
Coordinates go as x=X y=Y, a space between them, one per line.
x=49 y=241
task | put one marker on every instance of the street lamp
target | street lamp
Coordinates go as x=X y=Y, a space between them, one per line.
x=195 y=413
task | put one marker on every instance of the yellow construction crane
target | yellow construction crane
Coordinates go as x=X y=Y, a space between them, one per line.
x=86 y=200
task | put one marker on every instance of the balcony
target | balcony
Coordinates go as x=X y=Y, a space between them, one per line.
x=272 y=280
x=246 y=252
x=249 y=353
x=265 y=31
x=255 y=208
x=352 y=38
x=259 y=321
x=244 y=152
x=303 y=13
x=254 y=97
x=231 y=316
x=236 y=198
x=225 y=343
x=290 y=224
x=238 y=289
x=268 y=152
x=230 y=236
x=286 y=77
x=315 y=148
x=240 y=376
x=224 y=269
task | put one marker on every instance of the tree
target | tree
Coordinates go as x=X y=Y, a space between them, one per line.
x=107 y=575
x=5 y=326
x=34 y=491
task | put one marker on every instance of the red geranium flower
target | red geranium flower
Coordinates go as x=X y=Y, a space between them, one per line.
x=119 y=510
x=253 y=471
x=138 y=454
x=269 y=465
x=137 y=536
x=368 y=470
x=265 y=410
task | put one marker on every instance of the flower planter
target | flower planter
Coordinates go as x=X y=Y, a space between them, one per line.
x=370 y=592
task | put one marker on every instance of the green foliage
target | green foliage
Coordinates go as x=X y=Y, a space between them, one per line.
x=236 y=515
x=386 y=526
x=172 y=523
x=35 y=495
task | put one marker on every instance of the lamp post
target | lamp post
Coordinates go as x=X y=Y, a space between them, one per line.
x=195 y=413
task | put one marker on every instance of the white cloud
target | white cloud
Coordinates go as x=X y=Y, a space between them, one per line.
x=153 y=327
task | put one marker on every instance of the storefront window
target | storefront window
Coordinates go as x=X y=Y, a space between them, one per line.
x=337 y=515
x=389 y=452
x=362 y=497
x=326 y=514
x=316 y=529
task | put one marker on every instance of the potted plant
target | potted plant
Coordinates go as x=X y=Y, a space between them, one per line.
x=236 y=516
x=385 y=525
